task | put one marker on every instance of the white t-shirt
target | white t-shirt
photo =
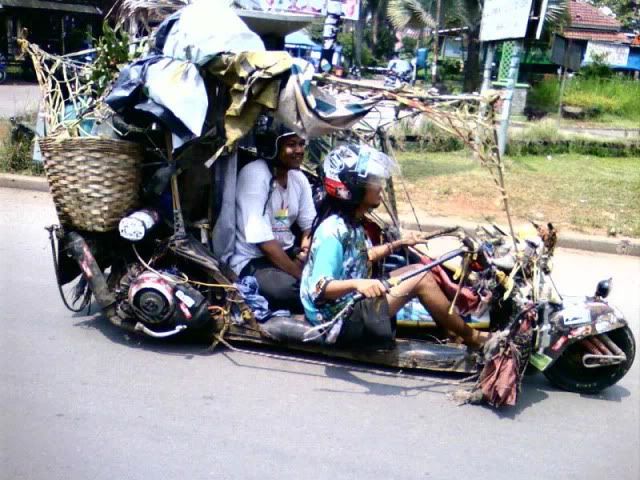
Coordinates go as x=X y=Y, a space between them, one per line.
x=287 y=206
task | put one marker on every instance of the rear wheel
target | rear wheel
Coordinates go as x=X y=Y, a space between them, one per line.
x=569 y=373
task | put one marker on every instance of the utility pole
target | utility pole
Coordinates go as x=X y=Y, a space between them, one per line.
x=514 y=68
x=563 y=83
x=488 y=64
x=434 y=65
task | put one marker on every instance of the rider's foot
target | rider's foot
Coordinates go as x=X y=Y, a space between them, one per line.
x=477 y=339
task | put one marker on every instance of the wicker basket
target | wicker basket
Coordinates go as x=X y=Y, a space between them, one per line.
x=94 y=181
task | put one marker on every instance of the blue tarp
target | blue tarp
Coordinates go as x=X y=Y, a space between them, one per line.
x=634 y=59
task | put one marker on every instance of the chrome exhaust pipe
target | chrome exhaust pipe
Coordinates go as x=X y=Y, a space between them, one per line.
x=141 y=328
x=590 y=360
x=602 y=352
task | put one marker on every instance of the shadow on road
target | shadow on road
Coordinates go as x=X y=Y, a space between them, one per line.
x=180 y=345
x=535 y=388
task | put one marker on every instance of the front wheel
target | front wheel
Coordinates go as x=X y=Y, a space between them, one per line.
x=569 y=373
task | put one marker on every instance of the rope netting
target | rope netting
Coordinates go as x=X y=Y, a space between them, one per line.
x=67 y=94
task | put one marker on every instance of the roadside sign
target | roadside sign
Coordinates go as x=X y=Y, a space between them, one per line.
x=503 y=19
x=351 y=9
x=611 y=54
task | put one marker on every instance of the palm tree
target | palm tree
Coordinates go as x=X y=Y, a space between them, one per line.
x=416 y=14
x=411 y=14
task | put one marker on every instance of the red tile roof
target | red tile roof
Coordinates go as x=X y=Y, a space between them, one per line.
x=595 y=35
x=586 y=15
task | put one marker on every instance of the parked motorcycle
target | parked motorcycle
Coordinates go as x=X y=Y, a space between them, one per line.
x=399 y=72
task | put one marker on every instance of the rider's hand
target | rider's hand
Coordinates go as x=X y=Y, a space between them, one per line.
x=370 y=288
x=302 y=257
x=410 y=240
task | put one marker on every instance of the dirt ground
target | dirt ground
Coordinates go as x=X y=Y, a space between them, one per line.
x=589 y=195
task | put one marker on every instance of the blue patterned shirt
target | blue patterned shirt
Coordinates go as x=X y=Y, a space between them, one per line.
x=338 y=252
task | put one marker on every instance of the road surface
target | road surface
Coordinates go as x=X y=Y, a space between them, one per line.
x=82 y=400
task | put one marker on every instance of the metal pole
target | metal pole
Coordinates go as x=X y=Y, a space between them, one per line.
x=514 y=67
x=488 y=63
x=486 y=85
x=434 y=65
x=563 y=83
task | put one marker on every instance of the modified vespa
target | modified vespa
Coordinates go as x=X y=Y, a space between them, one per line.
x=145 y=222
x=158 y=276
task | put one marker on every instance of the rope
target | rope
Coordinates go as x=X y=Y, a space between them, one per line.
x=183 y=280
x=213 y=285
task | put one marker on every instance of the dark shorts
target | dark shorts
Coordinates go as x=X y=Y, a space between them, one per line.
x=369 y=324
x=281 y=290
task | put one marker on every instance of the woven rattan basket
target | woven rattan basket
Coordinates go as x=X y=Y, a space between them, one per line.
x=94 y=181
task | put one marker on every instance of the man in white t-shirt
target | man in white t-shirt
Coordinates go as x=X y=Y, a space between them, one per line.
x=273 y=195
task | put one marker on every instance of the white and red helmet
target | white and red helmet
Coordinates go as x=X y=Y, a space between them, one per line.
x=349 y=168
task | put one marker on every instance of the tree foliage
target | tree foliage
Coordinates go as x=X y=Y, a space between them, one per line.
x=627 y=11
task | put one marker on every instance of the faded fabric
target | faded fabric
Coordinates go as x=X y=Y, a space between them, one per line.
x=311 y=112
x=206 y=28
x=178 y=86
x=338 y=252
x=223 y=236
x=253 y=79
x=166 y=90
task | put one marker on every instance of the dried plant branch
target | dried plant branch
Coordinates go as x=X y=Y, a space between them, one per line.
x=470 y=118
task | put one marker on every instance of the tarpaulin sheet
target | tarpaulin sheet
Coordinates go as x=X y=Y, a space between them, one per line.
x=253 y=79
x=311 y=112
x=206 y=28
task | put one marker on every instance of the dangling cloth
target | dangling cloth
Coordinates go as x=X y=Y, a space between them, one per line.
x=506 y=359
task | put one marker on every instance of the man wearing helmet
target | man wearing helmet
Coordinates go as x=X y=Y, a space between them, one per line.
x=273 y=195
x=341 y=255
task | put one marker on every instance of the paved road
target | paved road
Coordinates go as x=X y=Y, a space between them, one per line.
x=82 y=400
x=18 y=99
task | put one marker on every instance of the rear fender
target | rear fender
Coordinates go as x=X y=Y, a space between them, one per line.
x=574 y=322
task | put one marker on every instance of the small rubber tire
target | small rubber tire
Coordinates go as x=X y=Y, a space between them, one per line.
x=568 y=372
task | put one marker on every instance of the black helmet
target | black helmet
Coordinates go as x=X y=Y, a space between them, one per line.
x=349 y=168
x=269 y=135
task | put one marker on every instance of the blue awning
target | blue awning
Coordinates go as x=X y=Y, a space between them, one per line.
x=299 y=39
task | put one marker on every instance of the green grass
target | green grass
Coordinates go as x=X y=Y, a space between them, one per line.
x=15 y=157
x=544 y=138
x=578 y=192
x=612 y=98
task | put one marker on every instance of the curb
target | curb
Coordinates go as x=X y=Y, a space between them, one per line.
x=572 y=240
x=24 y=182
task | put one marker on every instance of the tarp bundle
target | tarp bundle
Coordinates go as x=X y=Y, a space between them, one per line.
x=208 y=40
x=167 y=84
